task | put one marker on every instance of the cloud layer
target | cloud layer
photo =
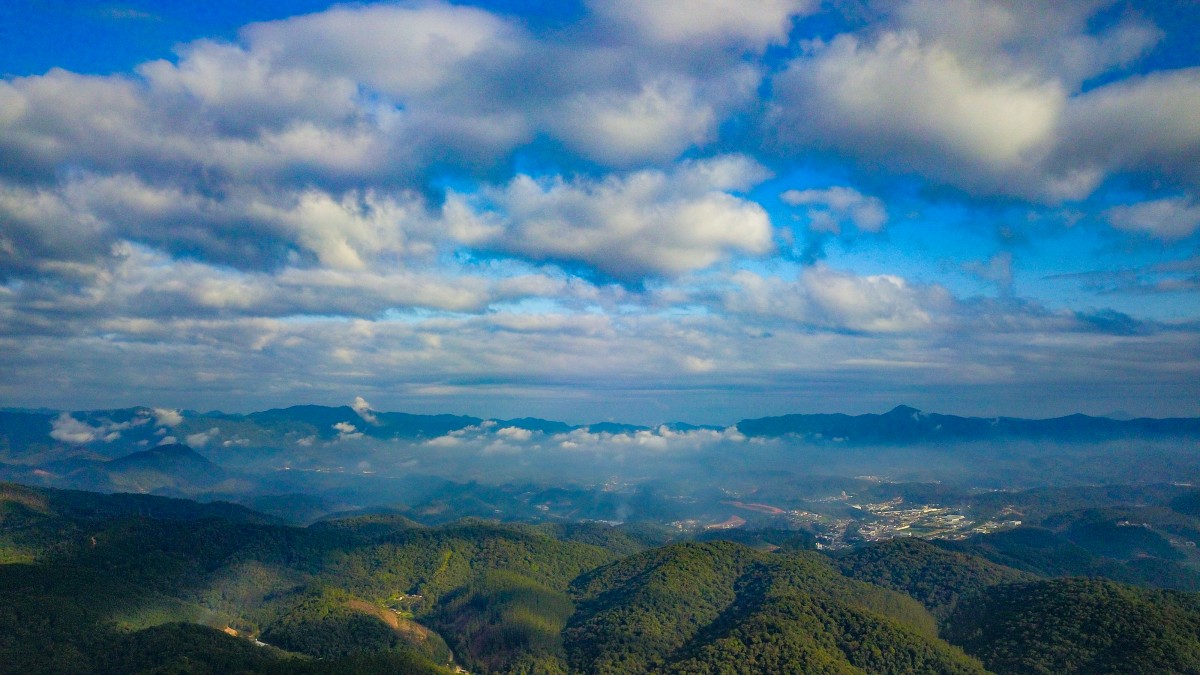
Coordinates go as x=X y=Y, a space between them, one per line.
x=643 y=206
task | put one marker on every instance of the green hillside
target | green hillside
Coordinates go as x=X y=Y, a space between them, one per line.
x=723 y=607
x=132 y=584
x=1080 y=626
x=936 y=577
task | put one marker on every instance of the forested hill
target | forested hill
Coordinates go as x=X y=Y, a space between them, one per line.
x=132 y=584
x=717 y=607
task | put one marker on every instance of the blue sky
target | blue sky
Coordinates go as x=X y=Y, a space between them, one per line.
x=645 y=211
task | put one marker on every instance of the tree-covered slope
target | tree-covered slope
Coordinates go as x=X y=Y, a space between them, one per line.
x=122 y=583
x=722 y=607
x=1080 y=626
x=1079 y=550
x=336 y=590
x=936 y=577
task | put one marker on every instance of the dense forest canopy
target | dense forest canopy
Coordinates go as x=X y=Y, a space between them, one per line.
x=131 y=584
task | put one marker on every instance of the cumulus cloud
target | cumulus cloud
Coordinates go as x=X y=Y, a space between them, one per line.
x=916 y=105
x=656 y=123
x=989 y=96
x=1145 y=124
x=67 y=429
x=43 y=232
x=822 y=296
x=347 y=431
x=1055 y=40
x=201 y=439
x=646 y=223
x=363 y=409
x=394 y=48
x=1165 y=219
x=720 y=21
x=827 y=210
x=309 y=142
x=167 y=417
x=382 y=189
x=245 y=227
x=377 y=95
x=880 y=302
x=268 y=94
x=150 y=283
x=283 y=103
x=514 y=433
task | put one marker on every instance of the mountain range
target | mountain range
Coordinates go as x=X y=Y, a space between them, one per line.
x=24 y=429
x=304 y=462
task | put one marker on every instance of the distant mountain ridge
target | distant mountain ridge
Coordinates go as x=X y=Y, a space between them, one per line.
x=902 y=424
x=168 y=469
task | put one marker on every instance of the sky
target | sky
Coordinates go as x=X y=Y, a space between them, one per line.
x=680 y=210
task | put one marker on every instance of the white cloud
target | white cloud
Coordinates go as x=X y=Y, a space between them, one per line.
x=581 y=441
x=1050 y=39
x=347 y=431
x=341 y=232
x=987 y=96
x=765 y=296
x=167 y=417
x=646 y=223
x=825 y=297
x=753 y=25
x=244 y=89
x=377 y=95
x=514 y=434
x=774 y=348
x=661 y=439
x=313 y=135
x=363 y=409
x=448 y=441
x=1165 y=219
x=44 y=232
x=247 y=227
x=1147 y=123
x=199 y=440
x=916 y=105
x=828 y=209
x=880 y=302
x=291 y=104
x=273 y=204
x=142 y=282
x=397 y=49
x=67 y=429
x=656 y=123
